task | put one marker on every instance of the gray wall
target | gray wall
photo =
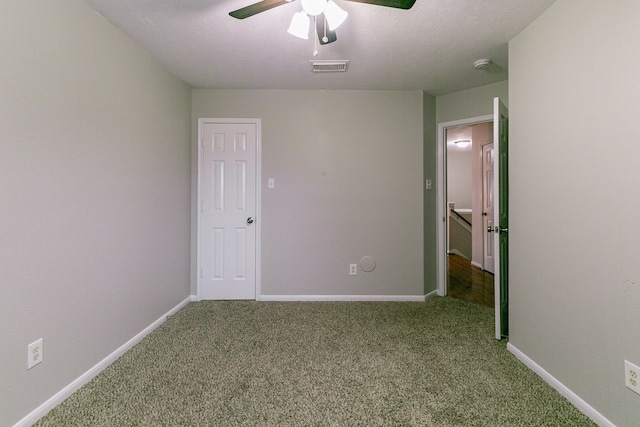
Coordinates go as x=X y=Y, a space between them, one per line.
x=349 y=179
x=574 y=174
x=470 y=103
x=94 y=195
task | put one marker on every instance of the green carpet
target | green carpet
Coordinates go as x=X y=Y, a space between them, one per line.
x=233 y=363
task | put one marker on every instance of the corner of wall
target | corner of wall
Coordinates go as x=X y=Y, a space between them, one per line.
x=430 y=139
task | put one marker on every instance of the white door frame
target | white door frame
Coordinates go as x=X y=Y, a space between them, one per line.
x=441 y=170
x=258 y=222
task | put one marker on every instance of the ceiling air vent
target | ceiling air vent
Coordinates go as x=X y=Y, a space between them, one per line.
x=339 y=66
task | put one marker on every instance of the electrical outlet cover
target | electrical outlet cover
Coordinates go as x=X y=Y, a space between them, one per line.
x=34 y=353
x=632 y=376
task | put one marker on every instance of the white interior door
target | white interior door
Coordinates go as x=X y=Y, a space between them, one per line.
x=501 y=216
x=228 y=209
x=487 y=207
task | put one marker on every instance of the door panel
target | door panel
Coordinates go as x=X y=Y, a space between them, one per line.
x=487 y=206
x=501 y=216
x=228 y=190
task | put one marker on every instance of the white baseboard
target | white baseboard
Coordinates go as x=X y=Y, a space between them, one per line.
x=431 y=294
x=417 y=298
x=576 y=400
x=60 y=396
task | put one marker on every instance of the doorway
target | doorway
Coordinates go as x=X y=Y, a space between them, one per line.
x=500 y=226
x=469 y=190
x=228 y=208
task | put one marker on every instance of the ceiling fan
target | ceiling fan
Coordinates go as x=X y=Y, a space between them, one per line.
x=326 y=13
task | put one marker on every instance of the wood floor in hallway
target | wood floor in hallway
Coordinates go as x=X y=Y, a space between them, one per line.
x=469 y=283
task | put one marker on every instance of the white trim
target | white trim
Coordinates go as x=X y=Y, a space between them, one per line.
x=441 y=179
x=431 y=295
x=576 y=400
x=258 y=124
x=305 y=298
x=477 y=265
x=258 y=205
x=83 y=379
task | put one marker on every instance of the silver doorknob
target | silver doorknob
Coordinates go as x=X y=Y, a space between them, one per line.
x=250 y=220
x=502 y=230
x=489 y=229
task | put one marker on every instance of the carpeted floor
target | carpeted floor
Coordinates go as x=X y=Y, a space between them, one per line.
x=234 y=363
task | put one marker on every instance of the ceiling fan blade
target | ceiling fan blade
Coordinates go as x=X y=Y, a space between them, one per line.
x=256 y=8
x=399 y=4
x=320 y=29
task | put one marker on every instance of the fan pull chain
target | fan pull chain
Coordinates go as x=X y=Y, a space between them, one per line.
x=315 y=39
x=325 y=38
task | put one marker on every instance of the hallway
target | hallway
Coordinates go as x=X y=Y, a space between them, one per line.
x=469 y=283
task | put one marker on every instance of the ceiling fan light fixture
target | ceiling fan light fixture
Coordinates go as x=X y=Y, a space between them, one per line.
x=300 y=25
x=334 y=14
x=314 y=7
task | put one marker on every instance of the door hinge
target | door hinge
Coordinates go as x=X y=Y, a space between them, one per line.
x=201 y=272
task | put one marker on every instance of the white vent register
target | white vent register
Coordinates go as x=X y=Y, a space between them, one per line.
x=334 y=66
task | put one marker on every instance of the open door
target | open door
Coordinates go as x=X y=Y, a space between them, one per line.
x=501 y=216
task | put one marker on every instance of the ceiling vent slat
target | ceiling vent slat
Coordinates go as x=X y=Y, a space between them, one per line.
x=335 y=66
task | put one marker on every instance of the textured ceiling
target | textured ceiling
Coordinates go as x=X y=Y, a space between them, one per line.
x=430 y=47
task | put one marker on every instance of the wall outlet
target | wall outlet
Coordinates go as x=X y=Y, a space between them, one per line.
x=632 y=376
x=34 y=353
x=353 y=269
